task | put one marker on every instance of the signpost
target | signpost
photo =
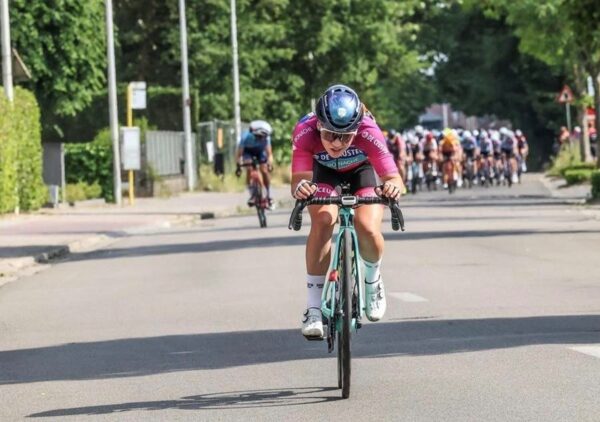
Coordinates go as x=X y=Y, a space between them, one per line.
x=136 y=99
x=565 y=96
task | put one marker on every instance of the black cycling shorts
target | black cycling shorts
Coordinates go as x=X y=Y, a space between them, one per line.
x=360 y=179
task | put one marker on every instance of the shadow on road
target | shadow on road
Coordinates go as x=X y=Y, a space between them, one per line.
x=166 y=354
x=227 y=400
x=300 y=239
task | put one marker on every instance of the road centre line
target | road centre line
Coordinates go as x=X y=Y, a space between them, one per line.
x=591 y=350
x=408 y=297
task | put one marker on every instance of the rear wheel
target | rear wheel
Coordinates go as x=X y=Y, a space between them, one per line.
x=345 y=306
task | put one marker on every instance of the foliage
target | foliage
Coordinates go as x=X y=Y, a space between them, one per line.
x=164 y=111
x=567 y=157
x=479 y=69
x=575 y=176
x=8 y=158
x=286 y=56
x=561 y=33
x=578 y=166
x=31 y=189
x=208 y=181
x=21 y=182
x=595 y=177
x=81 y=191
x=92 y=163
x=62 y=42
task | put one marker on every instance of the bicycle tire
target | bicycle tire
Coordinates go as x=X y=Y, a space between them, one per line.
x=260 y=210
x=344 y=354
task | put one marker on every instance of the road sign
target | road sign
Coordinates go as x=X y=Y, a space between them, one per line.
x=138 y=95
x=131 y=148
x=565 y=96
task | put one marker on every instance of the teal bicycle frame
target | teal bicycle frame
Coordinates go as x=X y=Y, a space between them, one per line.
x=328 y=298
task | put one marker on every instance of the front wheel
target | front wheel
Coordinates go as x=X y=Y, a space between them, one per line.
x=345 y=313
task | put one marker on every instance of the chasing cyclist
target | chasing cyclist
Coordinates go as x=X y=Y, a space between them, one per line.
x=256 y=144
x=340 y=142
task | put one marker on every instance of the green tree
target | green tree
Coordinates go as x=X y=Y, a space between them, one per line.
x=63 y=44
x=480 y=70
x=562 y=33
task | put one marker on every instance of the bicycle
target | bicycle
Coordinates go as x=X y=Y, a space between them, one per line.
x=258 y=192
x=342 y=303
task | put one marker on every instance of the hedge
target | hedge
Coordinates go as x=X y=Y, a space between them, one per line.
x=574 y=176
x=21 y=183
x=595 y=184
x=92 y=163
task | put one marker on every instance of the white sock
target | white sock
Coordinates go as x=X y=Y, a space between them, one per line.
x=372 y=272
x=314 y=286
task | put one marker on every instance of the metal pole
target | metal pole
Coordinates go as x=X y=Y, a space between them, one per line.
x=112 y=102
x=130 y=124
x=568 y=109
x=185 y=90
x=7 y=80
x=236 y=74
x=445 y=115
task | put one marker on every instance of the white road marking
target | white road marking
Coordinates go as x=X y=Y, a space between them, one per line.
x=592 y=350
x=408 y=297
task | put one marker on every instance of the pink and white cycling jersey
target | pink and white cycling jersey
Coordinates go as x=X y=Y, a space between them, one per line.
x=368 y=146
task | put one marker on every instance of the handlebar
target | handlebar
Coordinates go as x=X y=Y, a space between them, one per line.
x=253 y=164
x=346 y=201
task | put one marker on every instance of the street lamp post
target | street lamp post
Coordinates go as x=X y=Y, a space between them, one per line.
x=236 y=74
x=6 y=51
x=185 y=91
x=112 y=102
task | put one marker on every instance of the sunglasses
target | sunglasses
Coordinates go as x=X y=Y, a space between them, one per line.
x=330 y=136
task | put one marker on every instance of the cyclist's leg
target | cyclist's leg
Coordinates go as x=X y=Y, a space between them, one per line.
x=367 y=222
x=264 y=169
x=318 y=255
x=318 y=243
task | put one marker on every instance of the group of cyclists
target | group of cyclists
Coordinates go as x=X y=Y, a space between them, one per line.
x=455 y=157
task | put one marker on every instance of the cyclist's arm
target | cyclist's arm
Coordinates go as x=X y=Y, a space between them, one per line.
x=270 y=155
x=238 y=153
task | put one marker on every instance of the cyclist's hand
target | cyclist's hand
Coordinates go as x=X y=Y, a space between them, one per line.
x=305 y=189
x=238 y=170
x=389 y=190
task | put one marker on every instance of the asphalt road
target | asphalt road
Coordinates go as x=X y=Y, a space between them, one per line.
x=493 y=315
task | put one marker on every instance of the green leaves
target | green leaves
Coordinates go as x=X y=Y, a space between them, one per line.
x=20 y=154
x=63 y=44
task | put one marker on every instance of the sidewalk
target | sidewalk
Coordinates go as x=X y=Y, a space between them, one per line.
x=37 y=238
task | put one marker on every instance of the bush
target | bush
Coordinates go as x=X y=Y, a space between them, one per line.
x=580 y=166
x=81 y=191
x=210 y=182
x=92 y=163
x=595 y=178
x=574 y=176
x=566 y=158
x=21 y=183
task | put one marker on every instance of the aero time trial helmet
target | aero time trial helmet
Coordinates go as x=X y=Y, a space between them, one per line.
x=339 y=109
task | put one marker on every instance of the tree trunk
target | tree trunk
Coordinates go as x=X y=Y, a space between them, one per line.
x=581 y=89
